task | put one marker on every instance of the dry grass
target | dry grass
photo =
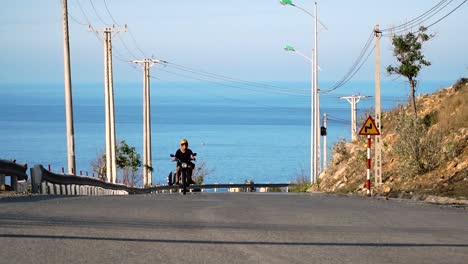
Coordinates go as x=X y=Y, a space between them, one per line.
x=442 y=139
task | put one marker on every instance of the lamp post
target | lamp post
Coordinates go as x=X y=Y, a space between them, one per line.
x=314 y=94
x=313 y=122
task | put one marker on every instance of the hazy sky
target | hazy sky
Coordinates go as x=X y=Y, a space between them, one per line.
x=243 y=39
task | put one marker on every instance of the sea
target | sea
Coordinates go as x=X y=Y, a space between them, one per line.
x=240 y=132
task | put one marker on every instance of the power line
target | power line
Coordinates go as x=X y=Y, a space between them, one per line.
x=359 y=62
x=415 y=20
x=113 y=20
x=97 y=14
x=131 y=34
x=136 y=45
x=254 y=103
x=228 y=85
x=447 y=14
x=235 y=80
x=76 y=20
x=353 y=66
x=126 y=47
x=83 y=12
x=429 y=17
x=351 y=73
x=128 y=30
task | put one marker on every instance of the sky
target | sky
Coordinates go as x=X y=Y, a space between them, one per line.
x=241 y=39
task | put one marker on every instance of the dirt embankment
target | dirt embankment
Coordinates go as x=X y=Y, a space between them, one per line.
x=429 y=157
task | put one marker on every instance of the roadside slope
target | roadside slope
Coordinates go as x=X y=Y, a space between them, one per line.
x=424 y=157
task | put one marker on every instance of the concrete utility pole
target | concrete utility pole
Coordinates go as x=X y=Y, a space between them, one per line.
x=147 y=154
x=111 y=144
x=315 y=111
x=353 y=100
x=68 y=92
x=378 y=120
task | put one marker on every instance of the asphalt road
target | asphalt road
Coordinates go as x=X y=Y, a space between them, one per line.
x=229 y=228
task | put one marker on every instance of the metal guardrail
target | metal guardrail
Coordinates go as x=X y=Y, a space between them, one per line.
x=14 y=170
x=46 y=182
x=233 y=187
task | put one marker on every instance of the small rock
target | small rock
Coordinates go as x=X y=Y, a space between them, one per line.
x=387 y=189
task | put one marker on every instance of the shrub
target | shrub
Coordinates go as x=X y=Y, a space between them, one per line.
x=462 y=82
x=454 y=149
x=418 y=150
x=200 y=172
x=301 y=184
x=431 y=119
x=340 y=152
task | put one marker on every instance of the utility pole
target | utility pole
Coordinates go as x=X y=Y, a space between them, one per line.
x=323 y=132
x=111 y=164
x=314 y=140
x=147 y=154
x=378 y=120
x=68 y=92
x=353 y=100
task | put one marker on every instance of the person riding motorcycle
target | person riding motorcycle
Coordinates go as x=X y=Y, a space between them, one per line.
x=184 y=154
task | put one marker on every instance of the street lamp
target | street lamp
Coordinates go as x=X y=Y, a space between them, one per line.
x=289 y=2
x=313 y=116
x=314 y=95
x=291 y=48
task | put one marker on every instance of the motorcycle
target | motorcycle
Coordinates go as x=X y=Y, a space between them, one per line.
x=184 y=173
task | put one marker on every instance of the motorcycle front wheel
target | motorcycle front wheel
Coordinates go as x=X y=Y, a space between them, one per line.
x=184 y=182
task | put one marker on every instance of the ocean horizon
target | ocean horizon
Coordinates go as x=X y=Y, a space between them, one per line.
x=241 y=133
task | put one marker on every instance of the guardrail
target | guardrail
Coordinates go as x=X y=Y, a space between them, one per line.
x=46 y=182
x=231 y=187
x=14 y=170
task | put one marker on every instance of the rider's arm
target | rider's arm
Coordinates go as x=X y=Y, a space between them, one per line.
x=192 y=157
x=177 y=155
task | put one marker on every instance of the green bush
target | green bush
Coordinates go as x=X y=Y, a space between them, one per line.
x=460 y=84
x=300 y=185
x=431 y=119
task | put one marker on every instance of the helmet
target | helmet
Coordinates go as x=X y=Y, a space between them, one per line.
x=184 y=141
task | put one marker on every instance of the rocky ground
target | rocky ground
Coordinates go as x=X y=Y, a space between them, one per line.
x=446 y=112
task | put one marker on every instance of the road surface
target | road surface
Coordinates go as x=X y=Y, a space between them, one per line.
x=229 y=228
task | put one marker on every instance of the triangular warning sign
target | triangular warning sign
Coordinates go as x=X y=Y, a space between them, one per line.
x=369 y=128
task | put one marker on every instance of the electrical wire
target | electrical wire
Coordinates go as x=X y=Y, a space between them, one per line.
x=353 y=66
x=442 y=18
x=128 y=30
x=415 y=20
x=429 y=17
x=83 y=12
x=108 y=12
x=235 y=80
x=351 y=74
x=97 y=14
x=76 y=20
x=136 y=44
x=421 y=18
x=126 y=47
x=228 y=85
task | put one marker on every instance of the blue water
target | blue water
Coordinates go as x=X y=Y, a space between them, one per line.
x=240 y=134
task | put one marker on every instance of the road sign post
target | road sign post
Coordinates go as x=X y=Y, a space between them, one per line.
x=369 y=129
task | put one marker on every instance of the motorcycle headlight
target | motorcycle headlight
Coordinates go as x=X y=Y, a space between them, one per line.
x=184 y=165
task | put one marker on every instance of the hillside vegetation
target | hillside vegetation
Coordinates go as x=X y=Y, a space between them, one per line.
x=423 y=154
